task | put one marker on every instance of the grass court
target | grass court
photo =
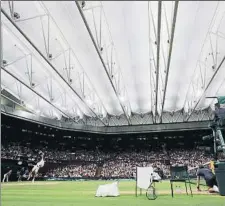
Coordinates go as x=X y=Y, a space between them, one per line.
x=82 y=193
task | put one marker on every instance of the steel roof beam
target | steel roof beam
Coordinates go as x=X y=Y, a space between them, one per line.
x=100 y=57
x=158 y=55
x=1 y=55
x=218 y=68
x=169 y=56
x=11 y=100
x=49 y=63
x=2 y=68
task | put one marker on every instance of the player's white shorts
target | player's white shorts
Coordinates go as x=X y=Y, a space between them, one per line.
x=35 y=169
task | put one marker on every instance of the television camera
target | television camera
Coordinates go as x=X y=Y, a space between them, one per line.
x=217 y=125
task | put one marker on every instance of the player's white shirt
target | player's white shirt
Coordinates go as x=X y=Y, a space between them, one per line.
x=41 y=163
x=38 y=166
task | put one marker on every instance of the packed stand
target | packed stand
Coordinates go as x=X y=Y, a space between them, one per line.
x=82 y=170
x=15 y=152
x=124 y=165
x=114 y=164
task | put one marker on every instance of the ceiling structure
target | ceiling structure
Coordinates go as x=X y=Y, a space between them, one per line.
x=113 y=63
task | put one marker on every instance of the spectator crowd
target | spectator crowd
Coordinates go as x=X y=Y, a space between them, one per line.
x=84 y=163
x=16 y=151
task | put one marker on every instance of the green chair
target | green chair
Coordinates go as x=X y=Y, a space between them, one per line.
x=180 y=174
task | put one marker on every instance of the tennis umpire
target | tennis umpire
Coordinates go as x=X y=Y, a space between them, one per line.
x=209 y=177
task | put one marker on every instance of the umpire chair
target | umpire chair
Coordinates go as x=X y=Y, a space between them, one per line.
x=180 y=174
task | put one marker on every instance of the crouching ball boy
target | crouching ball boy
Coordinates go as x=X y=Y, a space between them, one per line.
x=209 y=178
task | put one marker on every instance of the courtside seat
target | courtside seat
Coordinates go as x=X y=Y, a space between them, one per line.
x=179 y=174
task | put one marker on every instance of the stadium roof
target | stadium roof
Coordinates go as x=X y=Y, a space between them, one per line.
x=114 y=63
